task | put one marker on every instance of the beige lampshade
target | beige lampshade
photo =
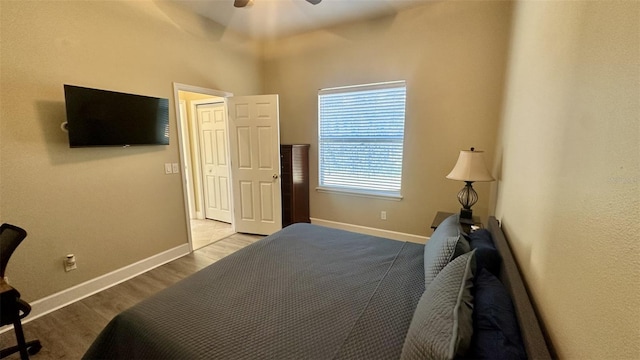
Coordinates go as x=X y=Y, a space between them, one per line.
x=470 y=167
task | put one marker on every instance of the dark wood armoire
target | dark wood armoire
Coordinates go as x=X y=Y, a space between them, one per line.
x=294 y=163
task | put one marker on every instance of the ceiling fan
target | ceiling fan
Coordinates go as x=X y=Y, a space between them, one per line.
x=243 y=3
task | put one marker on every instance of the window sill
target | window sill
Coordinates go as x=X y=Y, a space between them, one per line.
x=361 y=193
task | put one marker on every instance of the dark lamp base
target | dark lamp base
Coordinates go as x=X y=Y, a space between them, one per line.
x=466 y=214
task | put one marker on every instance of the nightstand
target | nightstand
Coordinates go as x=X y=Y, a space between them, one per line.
x=466 y=225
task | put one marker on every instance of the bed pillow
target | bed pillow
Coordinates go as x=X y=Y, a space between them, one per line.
x=445 y=244
x=442 y=325
x=496 y=331
x=487 y=256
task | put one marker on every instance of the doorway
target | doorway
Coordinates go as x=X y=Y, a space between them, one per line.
x=253 y=155
x=204 y=155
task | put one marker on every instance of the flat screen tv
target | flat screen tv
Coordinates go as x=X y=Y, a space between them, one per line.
x=108 y=118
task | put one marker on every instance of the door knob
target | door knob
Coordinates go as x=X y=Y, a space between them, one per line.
x=275 y=176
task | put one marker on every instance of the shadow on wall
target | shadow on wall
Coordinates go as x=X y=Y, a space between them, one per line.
x=191 y=23
x=496 y=171
x=51 y=115
x=377 y=26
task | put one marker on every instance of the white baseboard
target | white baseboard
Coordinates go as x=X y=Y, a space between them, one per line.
x=371 y=231
x=65 y=297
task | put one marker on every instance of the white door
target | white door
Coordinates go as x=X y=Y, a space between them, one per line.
x=212 y=123
x=254 y=138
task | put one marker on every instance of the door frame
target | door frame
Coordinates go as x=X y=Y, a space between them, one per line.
x=185 y=145
x=182 y=138
x=197 y=162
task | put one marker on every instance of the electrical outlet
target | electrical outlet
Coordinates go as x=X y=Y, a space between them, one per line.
x=383 y=215
x=168 y=169
x=175 y=167
x=70 y=263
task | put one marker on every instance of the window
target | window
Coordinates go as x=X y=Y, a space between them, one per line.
x=361 y=135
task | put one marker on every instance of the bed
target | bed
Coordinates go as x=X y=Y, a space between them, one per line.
x=311 y=292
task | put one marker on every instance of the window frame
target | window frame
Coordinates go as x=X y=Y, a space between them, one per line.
x=380 y=194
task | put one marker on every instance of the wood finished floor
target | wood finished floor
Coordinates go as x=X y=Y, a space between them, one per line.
x=67 y=333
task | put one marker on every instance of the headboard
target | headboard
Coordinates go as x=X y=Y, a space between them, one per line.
x=510 y=275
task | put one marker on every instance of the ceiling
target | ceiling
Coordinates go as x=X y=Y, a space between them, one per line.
x=267 y=19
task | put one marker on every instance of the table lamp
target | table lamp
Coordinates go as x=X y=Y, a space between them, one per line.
x=469 y=168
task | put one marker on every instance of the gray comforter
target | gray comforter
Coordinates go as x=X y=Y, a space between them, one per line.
x=306 y=292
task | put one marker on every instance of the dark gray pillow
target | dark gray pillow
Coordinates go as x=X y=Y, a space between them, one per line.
x=442 y=325
x=445 y=244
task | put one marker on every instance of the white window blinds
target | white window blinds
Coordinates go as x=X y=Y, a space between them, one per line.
x=361 y=135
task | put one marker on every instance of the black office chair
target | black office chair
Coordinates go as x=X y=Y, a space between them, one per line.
x=12 y=308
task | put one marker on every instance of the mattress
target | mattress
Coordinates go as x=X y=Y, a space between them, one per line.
x=305 y=292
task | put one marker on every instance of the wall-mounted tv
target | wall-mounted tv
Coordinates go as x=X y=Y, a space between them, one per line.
x=108 y=118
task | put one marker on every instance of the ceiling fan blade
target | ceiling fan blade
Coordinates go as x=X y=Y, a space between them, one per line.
x=240 y=3
x=314 y=2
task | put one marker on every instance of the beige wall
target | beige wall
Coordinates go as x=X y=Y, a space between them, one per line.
x=568 y=166
x=453 y=57
x=109 y=206
x=566 y=152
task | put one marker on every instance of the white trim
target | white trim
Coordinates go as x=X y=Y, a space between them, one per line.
x=187 y=165
x=78 y=292
x=371 y=231
x=211 y=100
x=359 y=193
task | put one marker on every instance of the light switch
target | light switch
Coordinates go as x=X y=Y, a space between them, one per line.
x=175 y=167
x=167 y=168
